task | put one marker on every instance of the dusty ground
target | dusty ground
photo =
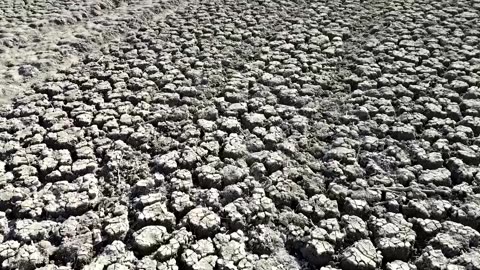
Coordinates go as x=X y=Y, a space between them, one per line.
x=240 y=134
x=39 y=38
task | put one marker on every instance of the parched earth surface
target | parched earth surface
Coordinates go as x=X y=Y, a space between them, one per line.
x=240 y=134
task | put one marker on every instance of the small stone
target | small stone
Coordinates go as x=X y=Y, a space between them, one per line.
x=355 y=227
x=341 y=154
x=274 y=161
x=406 y=132
x=158 y=214
x=84 y=166
x=439 y=177
x=254 y=120
x=149 y=238
x=232 y=174
x=318 y=253
x=400 y=265
x=431 y=161
x=361 y=255
x=431 y=259
x=357 y=207
x=28 y=70
x=202 y=221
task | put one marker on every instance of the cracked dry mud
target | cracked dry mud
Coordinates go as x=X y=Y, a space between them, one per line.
x=240 y=134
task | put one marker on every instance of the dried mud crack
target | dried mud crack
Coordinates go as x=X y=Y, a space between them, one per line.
x=235 y=134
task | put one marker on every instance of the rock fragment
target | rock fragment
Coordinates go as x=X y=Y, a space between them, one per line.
x=149 y=238
x=361 y=255
x=202 y=221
